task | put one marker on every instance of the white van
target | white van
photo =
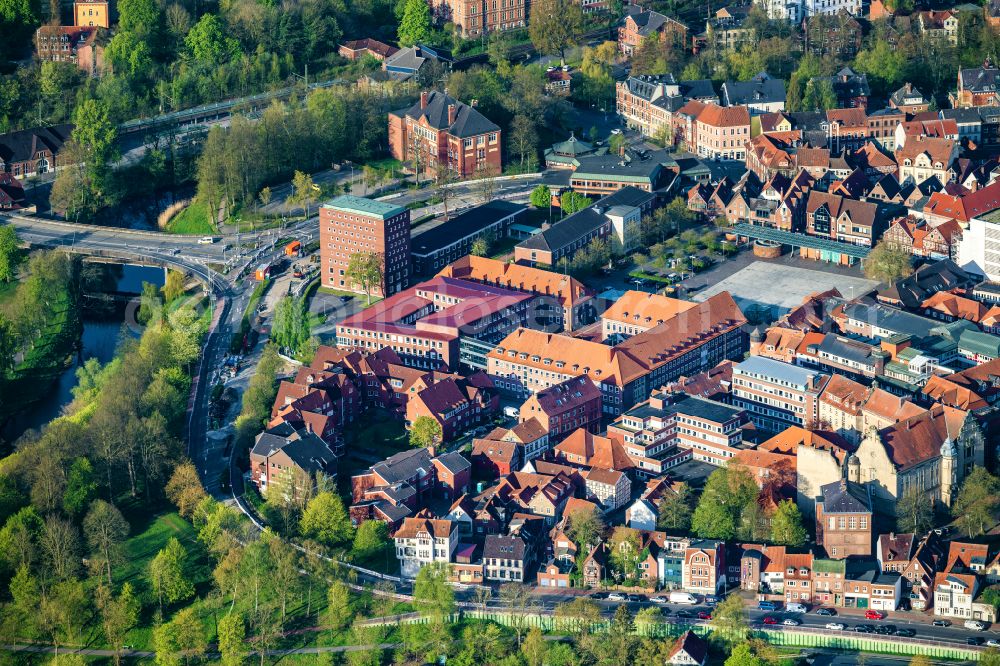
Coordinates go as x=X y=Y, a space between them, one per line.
x=975 y=625
x=206 y=240
x=512 y=412
x=796 y=608
x=683 y=598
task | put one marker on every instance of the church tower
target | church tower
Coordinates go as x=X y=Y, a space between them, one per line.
x=949 y=479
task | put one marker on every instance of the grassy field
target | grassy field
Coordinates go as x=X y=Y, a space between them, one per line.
x=192 y=220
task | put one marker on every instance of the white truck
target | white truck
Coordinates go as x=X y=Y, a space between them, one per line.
x=685 y=598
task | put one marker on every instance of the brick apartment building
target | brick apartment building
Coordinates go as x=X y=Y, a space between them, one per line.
x=639 y=25
x=844 y=519
x=647 y=102
x=564 y=407
x=82 y=46
x=349 y=225
x=441 y=132
x=472 y=18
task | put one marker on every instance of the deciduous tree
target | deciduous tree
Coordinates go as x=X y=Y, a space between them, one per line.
x=425 y=431
x=106 y=529
x=232 y=634
x=367 y=270
x=675 y=509
x=555 y=25
x=914 y=512
x=977 y=502
x=415 y=25
x=10 y=253
x=372 y=538
x=325 y=520
x=167 y=574
x=786 y=525
x=541 y=196
x=729 y=618
x=431 y=593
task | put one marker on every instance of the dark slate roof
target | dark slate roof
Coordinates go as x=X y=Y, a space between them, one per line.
x=842 y=348
x=503 y=547
x=890 y=319
x=847 y=84
x=582 y=222
x=454 y=461
x=468 y=121
x=304 y=448
x=761 y=89
x=462 y=226
x=698 y=89
x=908 y=94
x=21 y=146
x=979 y=79
x=634 y=167
x=962 y=116
x=845 y=497
x=402 y=466
x=705 y=409
x=808 y=121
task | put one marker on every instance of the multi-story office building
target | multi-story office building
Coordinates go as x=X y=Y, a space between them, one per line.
x=351 y=225
x=777 y=395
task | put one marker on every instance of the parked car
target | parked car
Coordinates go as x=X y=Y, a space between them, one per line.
x=711 y=599
x=704 y=615
x=835 y=626
x=599 y=595
x=975 y=625
x=617 y=596
x=906 y=633
x=684 y=613
x=790 y=622
x=975 y=640
x=885 y=629
x=770 y=620
x=793 y=607
x=941 y=623
x=659 y=599
x=637 y=598
x=829 y=612
x=874 y=615
x=992 y=642
x=864 y=628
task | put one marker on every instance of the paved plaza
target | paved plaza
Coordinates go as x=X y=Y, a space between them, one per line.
x=781 y=286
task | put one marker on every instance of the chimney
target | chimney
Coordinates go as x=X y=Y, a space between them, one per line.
x=909 y=87
x=452 y=112
x=423 y=99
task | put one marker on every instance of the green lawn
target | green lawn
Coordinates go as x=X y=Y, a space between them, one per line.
x=502 y=247
x=192 y=220
x=361 y=298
